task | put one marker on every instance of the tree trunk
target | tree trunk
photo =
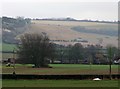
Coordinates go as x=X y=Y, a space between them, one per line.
x=110 y=70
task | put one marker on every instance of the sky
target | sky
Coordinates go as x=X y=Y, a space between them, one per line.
x=78 y=9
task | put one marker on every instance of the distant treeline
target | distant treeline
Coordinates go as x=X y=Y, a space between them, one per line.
x=72 y=19
x=92 y=54
x=78 y=54
x=57 y=19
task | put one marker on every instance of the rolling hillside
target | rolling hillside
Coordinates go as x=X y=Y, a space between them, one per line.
x=91 y=33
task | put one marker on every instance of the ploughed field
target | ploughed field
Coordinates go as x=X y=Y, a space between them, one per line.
x=60 y=69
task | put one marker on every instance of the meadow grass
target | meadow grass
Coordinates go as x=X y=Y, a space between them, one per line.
x=59 y=83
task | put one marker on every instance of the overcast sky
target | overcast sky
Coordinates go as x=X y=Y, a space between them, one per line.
x=56 y=9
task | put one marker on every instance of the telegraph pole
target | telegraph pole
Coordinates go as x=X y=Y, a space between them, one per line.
x=13 y=61
x=110 y=62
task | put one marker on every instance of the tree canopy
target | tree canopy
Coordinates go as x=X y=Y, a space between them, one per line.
x=35 y=49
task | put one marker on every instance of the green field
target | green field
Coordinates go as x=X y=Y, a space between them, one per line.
x=7 y=47
x=59 y=83
x=61 y=69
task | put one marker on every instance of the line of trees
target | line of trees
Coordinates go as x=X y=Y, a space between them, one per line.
x=37 y=49
x=78 y=54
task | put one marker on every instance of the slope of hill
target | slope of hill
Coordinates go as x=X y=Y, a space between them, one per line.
x=65 y=30
x=11 y=27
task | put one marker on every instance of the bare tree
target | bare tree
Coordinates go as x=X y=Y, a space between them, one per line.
x=35 y=49
x=111 y=50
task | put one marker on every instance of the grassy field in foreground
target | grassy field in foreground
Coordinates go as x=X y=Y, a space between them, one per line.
x=61 y=69
x=59 y=83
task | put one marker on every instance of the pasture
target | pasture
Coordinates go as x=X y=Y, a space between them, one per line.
x=61 y=69
x=59 y=83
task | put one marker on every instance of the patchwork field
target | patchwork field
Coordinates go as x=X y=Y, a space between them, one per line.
x=61 y=69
